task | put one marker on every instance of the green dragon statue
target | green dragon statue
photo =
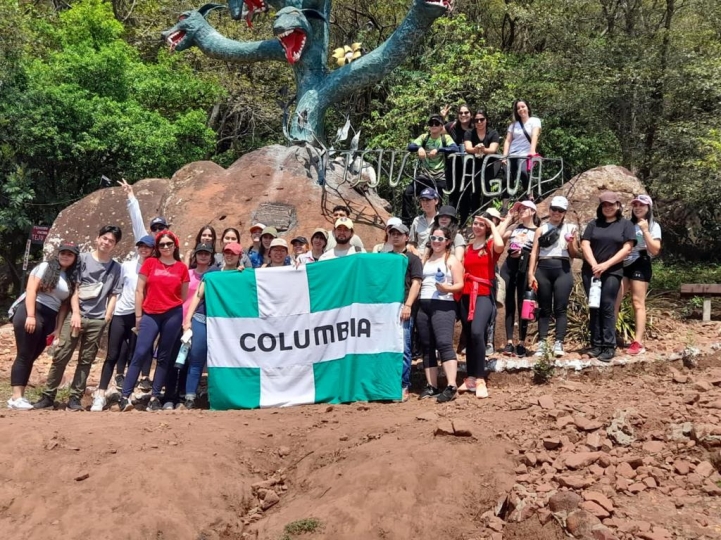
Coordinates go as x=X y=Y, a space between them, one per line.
x=301 y=29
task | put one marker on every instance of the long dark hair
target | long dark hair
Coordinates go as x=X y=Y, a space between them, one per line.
x=159 y=237
x=516 y=117
x=649 y=216
x=193 y=261
x=261 y=248
x=51 y=276
x=599 y=213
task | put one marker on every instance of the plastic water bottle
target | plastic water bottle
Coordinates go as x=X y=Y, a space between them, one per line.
x=440 y=276
x=182 y=355
x=594 y=294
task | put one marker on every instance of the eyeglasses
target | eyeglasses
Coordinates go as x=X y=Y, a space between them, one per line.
x=157 y=228
x=437 y=238
x=479 y=120
x=435 y=123
x=166 y=245
x=557 y=209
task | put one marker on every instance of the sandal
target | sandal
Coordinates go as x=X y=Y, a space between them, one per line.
x=481 y=389
x=469 y=385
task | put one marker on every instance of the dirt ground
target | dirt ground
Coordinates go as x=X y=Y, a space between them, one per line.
x=625 y=452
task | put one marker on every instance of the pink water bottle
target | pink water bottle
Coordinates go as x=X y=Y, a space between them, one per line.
x=528 y=308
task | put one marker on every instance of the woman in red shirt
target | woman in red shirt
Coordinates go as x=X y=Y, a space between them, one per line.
x=162 y=287
x=477 y=304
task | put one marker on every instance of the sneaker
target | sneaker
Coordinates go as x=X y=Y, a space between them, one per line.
x=154 y=405
x=99 y=403
x=521 y=351
x=481 y=389
x=168 y=406
x=607 y=354
x=558 y=349
x=509 y=349
x=489 y=349
x=541 y=351
x=428 y=391
x=448 y=394
x=469 y=385
x=126 y=404
x=119 y=380
x=636 y=348
x=595 y=351
x=75 y=405
x=145 y=385
x=44 y=403
x=190 y=403
x=19 y=404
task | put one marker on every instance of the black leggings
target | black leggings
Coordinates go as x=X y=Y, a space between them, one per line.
x=602 y=321
x=515 y=164
x=121 y=343
x=555 y=282
x=30 y=346
x=476 y=333
x=516 y=283
x=435 y=321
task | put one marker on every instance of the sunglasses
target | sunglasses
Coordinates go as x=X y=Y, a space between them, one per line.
x=434 y=123
x=437 y=238
x=157 y=228
x=166 y=245
x=479 y=120
x=557 y=209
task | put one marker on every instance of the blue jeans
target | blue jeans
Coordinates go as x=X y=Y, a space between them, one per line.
x=407 y=352
x=197 y=357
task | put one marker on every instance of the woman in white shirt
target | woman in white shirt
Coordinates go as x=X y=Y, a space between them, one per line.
x=522 y=139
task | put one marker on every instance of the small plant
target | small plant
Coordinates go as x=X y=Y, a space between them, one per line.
x=544 y=366
x=301 y=526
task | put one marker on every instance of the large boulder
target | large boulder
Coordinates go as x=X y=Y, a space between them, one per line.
x=275 y=185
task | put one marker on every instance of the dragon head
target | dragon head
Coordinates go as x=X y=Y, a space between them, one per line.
x=292 y=29
x=182 y=36
x=246 y=9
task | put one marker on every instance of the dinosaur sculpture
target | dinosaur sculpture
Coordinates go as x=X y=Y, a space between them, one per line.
x=301 y=28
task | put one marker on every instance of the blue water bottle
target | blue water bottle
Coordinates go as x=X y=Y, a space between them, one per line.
x=440 y=276
x=182 y=355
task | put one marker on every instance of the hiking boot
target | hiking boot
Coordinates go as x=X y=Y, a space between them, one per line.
x=190 y=403
x=99 y=403
x=541 y=351
x=119 y=380
x=448 y=394
x=595 y=351
x=126 y=404
x=145 y=385
x=154 y=405
x=521 y=351
x=558 y=349
x=636 y=348
x=607 y=354
x=19 y=404
x=509 y=349
x=428 y=391
x=75 y=405
x=44 y=403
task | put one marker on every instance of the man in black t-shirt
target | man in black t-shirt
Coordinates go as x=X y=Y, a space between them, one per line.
x=398 y=237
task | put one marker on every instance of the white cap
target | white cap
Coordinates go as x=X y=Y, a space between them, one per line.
x=560 y=202
x=393 y=221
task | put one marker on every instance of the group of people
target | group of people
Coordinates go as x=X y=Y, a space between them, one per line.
x=150 y=301
x=471 y=134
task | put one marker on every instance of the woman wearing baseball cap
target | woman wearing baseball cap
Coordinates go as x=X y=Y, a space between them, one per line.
x=637 y=266
x=606 y=242
x=549 y=273
x=38 y=315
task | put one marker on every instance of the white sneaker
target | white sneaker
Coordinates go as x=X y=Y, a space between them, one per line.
x=98 y=404
x=558 y=349
x=19 y=404
x=489 y=350
x=541 y=351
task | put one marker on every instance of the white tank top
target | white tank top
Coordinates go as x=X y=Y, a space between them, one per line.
x=428 y=287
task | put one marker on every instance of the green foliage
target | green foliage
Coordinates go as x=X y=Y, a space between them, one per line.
x=299 y=527
x=669 y=276
x=543 y=369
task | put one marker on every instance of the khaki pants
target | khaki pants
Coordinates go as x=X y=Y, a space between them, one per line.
x=89 y=339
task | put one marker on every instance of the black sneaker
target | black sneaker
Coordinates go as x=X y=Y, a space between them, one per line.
x=119 y=380
x=154 y=405
x=595 y=351
x=145 y=385
x=509 y=349
x=75 y=405
x=44 y=403
x=428 y=391
x=126 y=404
x=448 y=394
x=607 y=354
x=189 y=404
x=521 y=351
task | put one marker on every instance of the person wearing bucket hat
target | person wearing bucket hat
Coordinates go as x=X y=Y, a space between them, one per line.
x=277 y=254
x=606 y=242
x=637 y=269
x=549 y=273
x=446 y=217
x=38 y=315
x=267 y=235
x=515 y=272
x=318 y=242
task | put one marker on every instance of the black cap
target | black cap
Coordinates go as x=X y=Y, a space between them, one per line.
x=158 y=221
x=299 y=240
x=69 y=246
x=435 y=118
x=203 y=247
x=449 y=211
